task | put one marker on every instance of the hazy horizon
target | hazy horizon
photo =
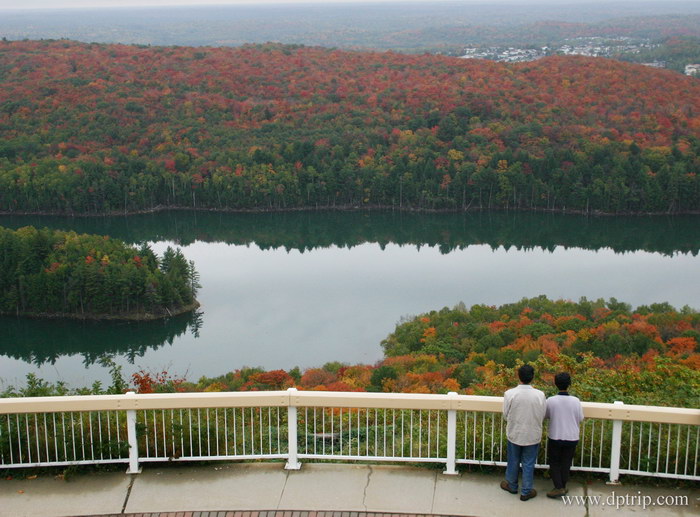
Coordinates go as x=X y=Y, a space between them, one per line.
x=111 y=4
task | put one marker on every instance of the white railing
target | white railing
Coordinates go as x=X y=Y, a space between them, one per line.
x=296 y=425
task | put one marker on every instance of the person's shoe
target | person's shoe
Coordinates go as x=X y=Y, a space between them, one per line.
x=532 y=493
x=557 y=492
x=506 y=486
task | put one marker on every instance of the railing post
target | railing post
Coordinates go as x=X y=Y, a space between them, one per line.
x=292 y=461
x=451 y=439
x=615 y=451
x=132 y=438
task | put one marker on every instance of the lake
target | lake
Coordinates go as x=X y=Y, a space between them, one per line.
x=304 y=288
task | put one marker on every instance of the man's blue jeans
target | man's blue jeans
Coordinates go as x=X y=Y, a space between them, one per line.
x=527 y=456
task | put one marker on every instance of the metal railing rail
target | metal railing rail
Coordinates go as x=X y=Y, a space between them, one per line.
x=294 y=425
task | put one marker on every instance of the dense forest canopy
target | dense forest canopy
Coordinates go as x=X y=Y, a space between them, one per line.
x=52 y=273
x=94 y=128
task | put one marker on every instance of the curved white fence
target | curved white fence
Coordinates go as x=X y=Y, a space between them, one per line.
x=296 y=425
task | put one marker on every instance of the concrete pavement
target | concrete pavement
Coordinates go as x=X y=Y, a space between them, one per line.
x=325 y=487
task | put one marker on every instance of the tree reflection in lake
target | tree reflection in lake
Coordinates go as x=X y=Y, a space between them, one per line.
x=310 y=230
x=40 y=341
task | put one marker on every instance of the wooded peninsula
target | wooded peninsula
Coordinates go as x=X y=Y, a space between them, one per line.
x=51 y=273
x=648 y=355
x=102 y=128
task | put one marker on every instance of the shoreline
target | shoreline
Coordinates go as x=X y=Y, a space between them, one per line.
x=341 y=208
x=147 y=316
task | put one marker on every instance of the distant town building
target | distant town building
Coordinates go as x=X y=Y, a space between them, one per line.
x=692 y=70
x=656 y=64
x=583 y=46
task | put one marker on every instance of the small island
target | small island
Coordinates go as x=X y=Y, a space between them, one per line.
x=56 y=274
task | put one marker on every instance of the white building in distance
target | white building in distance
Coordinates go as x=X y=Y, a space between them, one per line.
x=692 y=70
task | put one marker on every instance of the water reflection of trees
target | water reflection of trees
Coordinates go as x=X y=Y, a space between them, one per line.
x=41 y=341
x=310 y=230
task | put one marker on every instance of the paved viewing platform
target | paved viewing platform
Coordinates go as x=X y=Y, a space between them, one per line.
x=325 y=490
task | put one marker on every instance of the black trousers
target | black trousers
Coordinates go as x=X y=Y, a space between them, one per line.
x=560 y=453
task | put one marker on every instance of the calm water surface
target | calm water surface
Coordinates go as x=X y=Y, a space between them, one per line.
x=302 y=289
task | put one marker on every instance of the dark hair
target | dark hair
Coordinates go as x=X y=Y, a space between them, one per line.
x=563 y=381
x=526 y=373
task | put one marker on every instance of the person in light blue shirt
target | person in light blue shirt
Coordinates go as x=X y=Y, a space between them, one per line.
x=565 y=414
x=523 y=409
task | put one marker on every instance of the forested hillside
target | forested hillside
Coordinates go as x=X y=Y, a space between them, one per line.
x=52 y=273
x=94 y=128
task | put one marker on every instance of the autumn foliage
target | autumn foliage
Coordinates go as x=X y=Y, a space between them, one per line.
x=97 y=128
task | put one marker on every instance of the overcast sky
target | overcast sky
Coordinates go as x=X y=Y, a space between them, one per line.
x=44 y=4
x=34 y=4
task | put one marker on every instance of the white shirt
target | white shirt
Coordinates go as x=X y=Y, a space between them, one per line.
x=524 y=408
x=565 y=414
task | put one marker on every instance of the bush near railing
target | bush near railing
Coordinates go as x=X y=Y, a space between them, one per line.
x=451 y=429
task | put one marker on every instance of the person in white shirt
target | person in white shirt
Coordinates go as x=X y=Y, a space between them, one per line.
x=523 y=409
x=565 y=415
